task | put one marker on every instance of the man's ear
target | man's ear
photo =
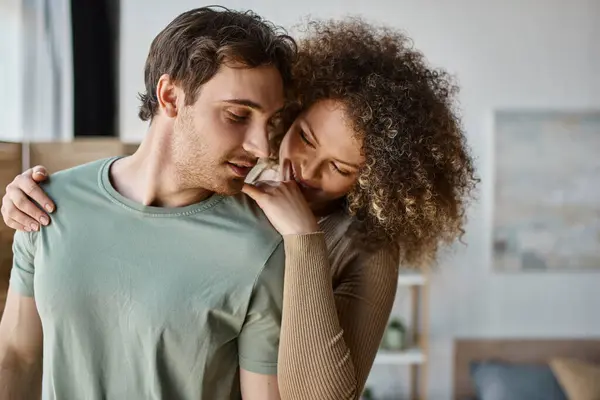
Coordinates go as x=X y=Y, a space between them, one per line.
x=166 y=93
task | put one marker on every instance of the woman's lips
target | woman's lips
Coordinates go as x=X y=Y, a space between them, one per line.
x=302 y=183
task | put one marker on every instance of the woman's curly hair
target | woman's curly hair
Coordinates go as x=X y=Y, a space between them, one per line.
x=413 y=189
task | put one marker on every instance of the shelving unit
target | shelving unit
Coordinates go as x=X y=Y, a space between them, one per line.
x=411 y=278
x=407 y=357
x=416 y=356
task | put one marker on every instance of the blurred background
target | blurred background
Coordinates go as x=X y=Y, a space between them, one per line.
x=524 y=288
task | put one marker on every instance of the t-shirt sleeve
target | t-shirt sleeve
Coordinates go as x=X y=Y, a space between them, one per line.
x=258 y=342
x=21 y=276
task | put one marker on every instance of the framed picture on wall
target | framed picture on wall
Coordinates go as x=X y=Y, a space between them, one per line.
x=546 y=191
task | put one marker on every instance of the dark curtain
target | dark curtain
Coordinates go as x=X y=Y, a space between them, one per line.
x=95 y=51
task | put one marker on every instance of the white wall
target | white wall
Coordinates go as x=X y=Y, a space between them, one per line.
x=35 y=70
x=507 y=54
x=11 y=50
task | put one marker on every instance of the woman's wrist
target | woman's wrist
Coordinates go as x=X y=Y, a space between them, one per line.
x=305 y=229
x=303 y=235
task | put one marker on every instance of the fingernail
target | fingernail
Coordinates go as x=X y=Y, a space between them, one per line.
x=44 y=220
x=34 y=227
x=40 y=173
x=48 y=207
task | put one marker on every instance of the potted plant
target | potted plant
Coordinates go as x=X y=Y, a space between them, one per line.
x=367 y=394
x=395 y=335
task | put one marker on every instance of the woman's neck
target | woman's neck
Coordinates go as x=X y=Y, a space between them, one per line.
x=324 y=209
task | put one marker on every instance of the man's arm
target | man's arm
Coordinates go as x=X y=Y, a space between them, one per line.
x=258 y=386
x=20 y=349
x=21 y=337
x=258 y=342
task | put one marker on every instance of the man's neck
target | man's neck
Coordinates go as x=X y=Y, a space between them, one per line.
x=151 y=177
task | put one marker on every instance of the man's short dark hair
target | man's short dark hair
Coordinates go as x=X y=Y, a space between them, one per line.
x=196 y=43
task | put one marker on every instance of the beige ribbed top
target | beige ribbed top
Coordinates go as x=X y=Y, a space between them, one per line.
x=336 y=304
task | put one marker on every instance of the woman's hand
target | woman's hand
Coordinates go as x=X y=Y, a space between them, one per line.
x=18 y=208
x=284 y=205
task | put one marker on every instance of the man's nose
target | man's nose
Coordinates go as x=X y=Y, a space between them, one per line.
x=257 y=142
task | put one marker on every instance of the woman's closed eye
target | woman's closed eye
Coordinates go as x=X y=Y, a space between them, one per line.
x=339 y=170
x=305 y=138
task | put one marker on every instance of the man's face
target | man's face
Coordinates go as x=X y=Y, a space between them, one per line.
x=219 y=138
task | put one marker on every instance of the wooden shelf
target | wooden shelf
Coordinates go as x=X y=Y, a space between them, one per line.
x=415 y=358
x=406 y=357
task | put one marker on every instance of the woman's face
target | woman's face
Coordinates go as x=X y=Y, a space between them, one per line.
x=323 y=152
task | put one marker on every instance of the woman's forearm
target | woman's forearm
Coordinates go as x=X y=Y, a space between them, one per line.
x=314 y=360
x=330 y=336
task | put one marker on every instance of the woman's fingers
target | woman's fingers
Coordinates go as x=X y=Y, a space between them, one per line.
x=16 y=202
x=15 y=225
x=17 y=219
x=253 y=191
x=286 y=171
x=28 y=183
x=40 y=174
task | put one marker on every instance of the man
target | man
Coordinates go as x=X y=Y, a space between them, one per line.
x=159 y=279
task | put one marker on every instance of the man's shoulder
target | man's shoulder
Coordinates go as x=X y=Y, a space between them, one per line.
x=239 y=237
x=240 y=223
x=85 y=176
x=247 y=218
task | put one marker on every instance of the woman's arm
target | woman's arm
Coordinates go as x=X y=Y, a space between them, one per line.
x=330 y=336
x=18 y=208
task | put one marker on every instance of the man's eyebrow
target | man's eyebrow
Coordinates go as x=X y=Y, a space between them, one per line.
x=246 y=103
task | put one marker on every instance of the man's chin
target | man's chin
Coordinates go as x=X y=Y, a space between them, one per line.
x=231 y=188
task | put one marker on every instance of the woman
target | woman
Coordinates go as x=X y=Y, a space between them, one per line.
x=374 y=172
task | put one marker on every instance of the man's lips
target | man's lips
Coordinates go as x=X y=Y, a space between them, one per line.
x=241 y=169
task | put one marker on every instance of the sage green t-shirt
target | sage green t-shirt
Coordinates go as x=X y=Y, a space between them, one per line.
x=141 y=302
